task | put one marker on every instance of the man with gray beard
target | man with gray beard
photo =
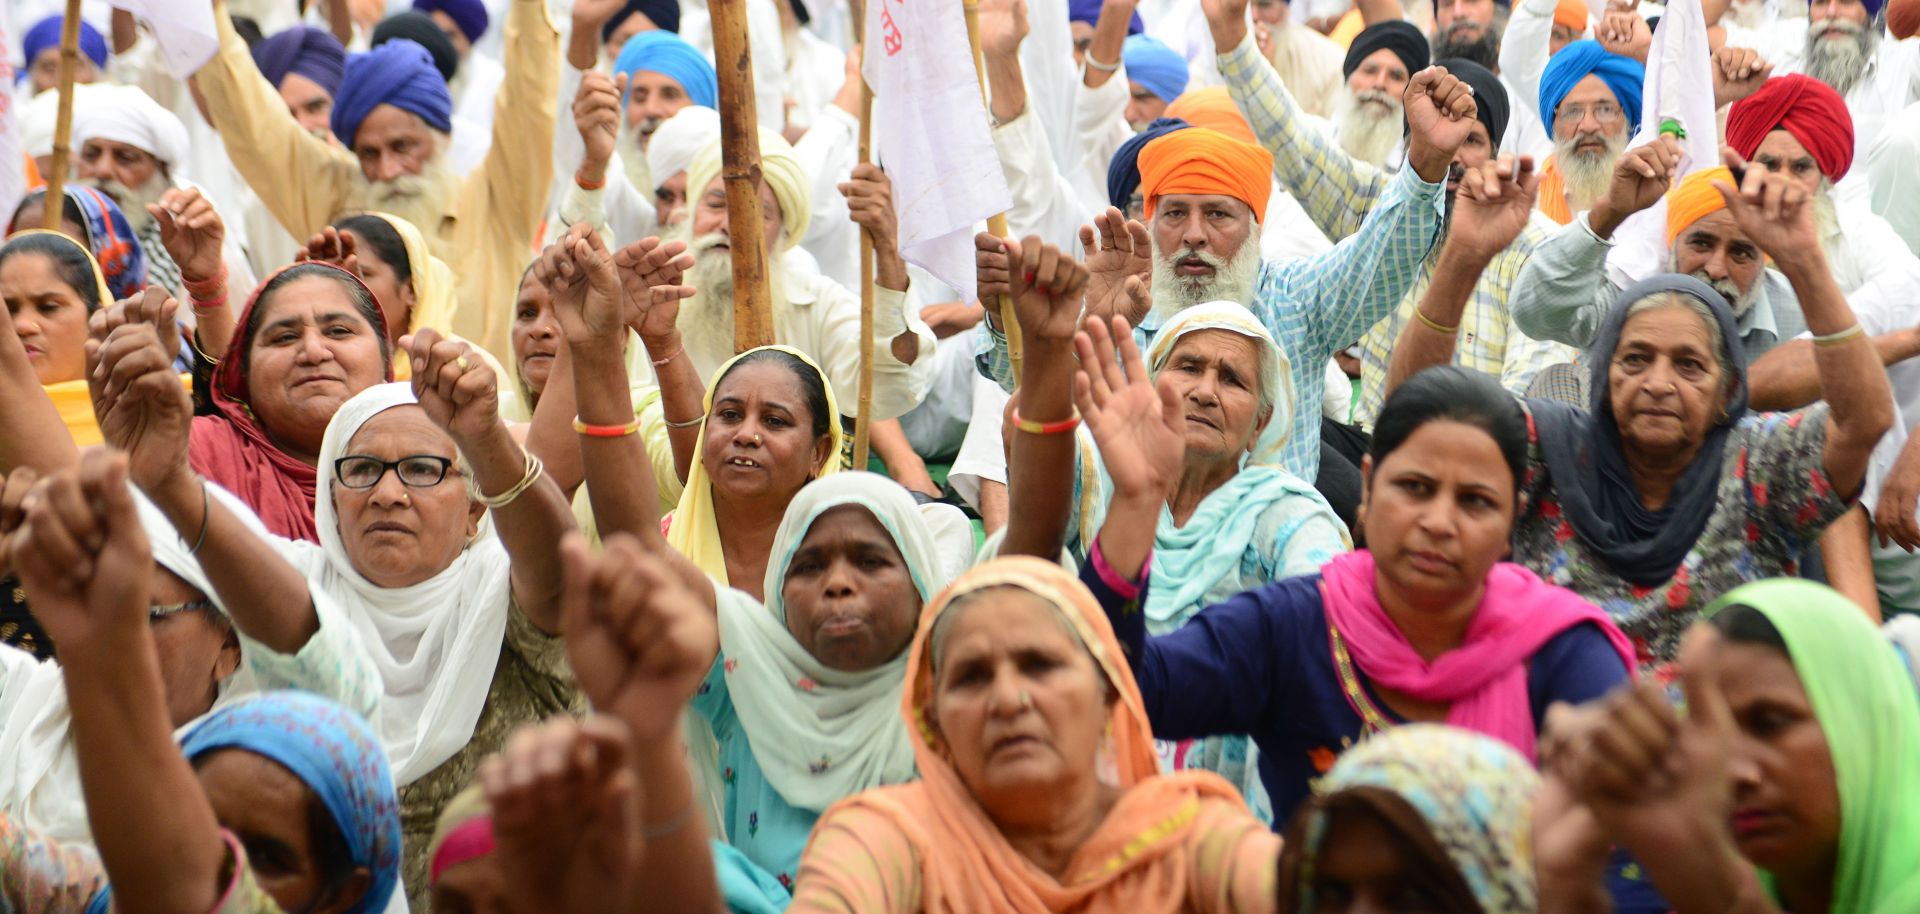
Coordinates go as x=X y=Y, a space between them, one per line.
x=1367 y=120
x=393 y=116
x=1590 y=105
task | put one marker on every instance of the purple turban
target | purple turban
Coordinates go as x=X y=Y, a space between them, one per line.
x=310 y=52
x=45 y=34
x=469 y=15
x=1088 y=11
x=399 y=73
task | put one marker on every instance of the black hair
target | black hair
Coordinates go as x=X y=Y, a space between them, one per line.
x=1450 y=393
x=357 y=293
x=1744 y=624
x=812 y=385
x=69 y=211
x=332 y=859
x=380 y=235
x=70 y=262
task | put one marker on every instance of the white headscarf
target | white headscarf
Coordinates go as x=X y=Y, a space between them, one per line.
x=124 y=114
x=1276 y=371
x=435 y=643
x=820 y=734
x=678 y=139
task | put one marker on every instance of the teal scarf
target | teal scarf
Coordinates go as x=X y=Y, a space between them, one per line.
x=1189 y=560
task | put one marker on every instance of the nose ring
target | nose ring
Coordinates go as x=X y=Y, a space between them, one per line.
x=1026 y=700
x=756 y=440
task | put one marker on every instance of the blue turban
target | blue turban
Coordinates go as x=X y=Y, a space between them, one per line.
x=1088 y=11
x=399 y=73
x=1624 y=75
x=671 y=56
x=338 y=756
x=469 y=15
x=303 y=49
x=1123 y=174
x=1154 y=65
x=662 y=13
x=45 y=34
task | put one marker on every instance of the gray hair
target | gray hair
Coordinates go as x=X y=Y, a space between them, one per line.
x=1700 y=309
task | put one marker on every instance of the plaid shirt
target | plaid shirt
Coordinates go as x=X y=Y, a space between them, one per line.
x=1337 y=191
x=1314 y=307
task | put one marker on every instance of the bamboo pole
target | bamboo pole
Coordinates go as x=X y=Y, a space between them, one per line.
x=63 y=121
x=997 y=224
x=863 y=418
x=740 y=175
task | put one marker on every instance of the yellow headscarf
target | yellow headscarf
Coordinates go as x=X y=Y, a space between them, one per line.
x=71 y=397
x=782 y=171
x=695 y=532
x=433 y=287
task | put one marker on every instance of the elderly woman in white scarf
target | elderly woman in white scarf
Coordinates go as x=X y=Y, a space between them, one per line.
x=1232 y=524
x=439 y=540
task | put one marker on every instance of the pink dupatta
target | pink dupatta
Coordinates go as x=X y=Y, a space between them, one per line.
x=1484 y=680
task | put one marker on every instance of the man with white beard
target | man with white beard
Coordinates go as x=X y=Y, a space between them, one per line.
x=1590 y=104
x=393 y=116
x=1366 y=118
x=811 y=313
x=131 y=149
x=1204 y=194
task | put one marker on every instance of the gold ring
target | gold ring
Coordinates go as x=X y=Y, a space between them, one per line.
x=463 y=363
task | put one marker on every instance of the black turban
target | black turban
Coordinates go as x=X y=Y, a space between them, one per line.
x=1488 y=95
x=420 y=28
x=664 y=13
x=1401 y=38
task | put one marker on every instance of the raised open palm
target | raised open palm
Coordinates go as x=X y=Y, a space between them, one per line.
x=1140 y=427
x=1119 y=256
x=650 y=273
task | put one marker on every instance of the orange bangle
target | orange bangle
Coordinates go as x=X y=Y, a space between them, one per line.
x=1046 y=428
x=584 y=185
x=606 y=431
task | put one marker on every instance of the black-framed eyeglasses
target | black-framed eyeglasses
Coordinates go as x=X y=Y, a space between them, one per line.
x=159 y=611
x=416 y=471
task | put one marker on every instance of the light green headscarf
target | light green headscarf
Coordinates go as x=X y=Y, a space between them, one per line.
x=1865 y=702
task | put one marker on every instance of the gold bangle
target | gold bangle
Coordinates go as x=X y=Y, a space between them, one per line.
x=1435 y=325
x=1842 y=338
x=690 y=423
x=532 y=475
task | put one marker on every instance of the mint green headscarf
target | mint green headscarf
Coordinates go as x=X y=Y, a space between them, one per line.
x=1865 y=702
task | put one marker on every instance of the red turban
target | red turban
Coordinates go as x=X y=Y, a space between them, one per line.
x=1202 y=161
x=1803 y=106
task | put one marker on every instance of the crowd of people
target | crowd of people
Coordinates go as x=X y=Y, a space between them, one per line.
x=1440 y=455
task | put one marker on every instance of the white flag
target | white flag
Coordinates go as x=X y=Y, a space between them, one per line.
x=1679 y=88
x=931 y=125
x=13 y=161
x=183 y=29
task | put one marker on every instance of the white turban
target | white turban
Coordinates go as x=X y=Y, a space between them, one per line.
x=38 y=117
x=678 y=138
x=782 y=171
x=124 y=114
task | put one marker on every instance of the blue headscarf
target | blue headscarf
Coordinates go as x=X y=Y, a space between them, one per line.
x=303 y=49
x=1152 y=64
x=1624 y=75
x=1123 y=173
x=1088 y=11
x=399 y=73
x=671 y=56
x=338 y=756
x=45 y=34
x=109 y=238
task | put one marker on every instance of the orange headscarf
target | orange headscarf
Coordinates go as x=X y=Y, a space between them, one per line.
x=1202 y=161
x=1140 y=859
x=1212 y=108
x=1571 y=14
x=1695 y=197
x=1552 y=193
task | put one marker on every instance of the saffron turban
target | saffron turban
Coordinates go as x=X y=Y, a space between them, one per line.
x=664 y=14
x=1489 y=96
x=303 y=49
x=124 y=114
x=784 y=174
x=1155 y=66
x=1123 y=173
x=469 y=15
x=1201 y=161
x=1695 y=198
x=1803 y=106
x=45 y=36
x=420 y=29
x=398 y=73
x=1213 y=109
x=1580 y=59
x=1088 y=11
x=1571 y=14
x=1398 y=36
x=671 y=56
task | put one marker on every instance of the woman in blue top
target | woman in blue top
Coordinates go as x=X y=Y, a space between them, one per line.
x=1428 y=624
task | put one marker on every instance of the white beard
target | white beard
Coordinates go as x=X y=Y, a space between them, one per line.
x=423 y=199
x=1367 y=131
x=706 y=320
x=1740 y=301
x=133 y=200
x=633 y=160
x=1233 y=278
x=1839 y=63
x=1587 y=175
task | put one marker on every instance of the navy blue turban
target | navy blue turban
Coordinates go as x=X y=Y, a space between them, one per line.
x=1088 y=11
x=469 y=15
x=303 y=49
x=1123 y=174
x=399 y=73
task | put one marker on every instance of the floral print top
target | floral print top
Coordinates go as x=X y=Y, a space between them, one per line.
x=1774 y=501
x=760 y=823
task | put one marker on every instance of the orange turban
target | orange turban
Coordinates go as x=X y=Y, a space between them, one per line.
x=1202 y=161
x=1695 y=198
x=1571 y=14
x=1212 y=108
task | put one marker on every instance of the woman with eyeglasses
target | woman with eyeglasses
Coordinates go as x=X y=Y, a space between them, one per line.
x=438 y=539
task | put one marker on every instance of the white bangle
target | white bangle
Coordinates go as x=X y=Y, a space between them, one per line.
x=1094 y=63
x=1588 y=228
